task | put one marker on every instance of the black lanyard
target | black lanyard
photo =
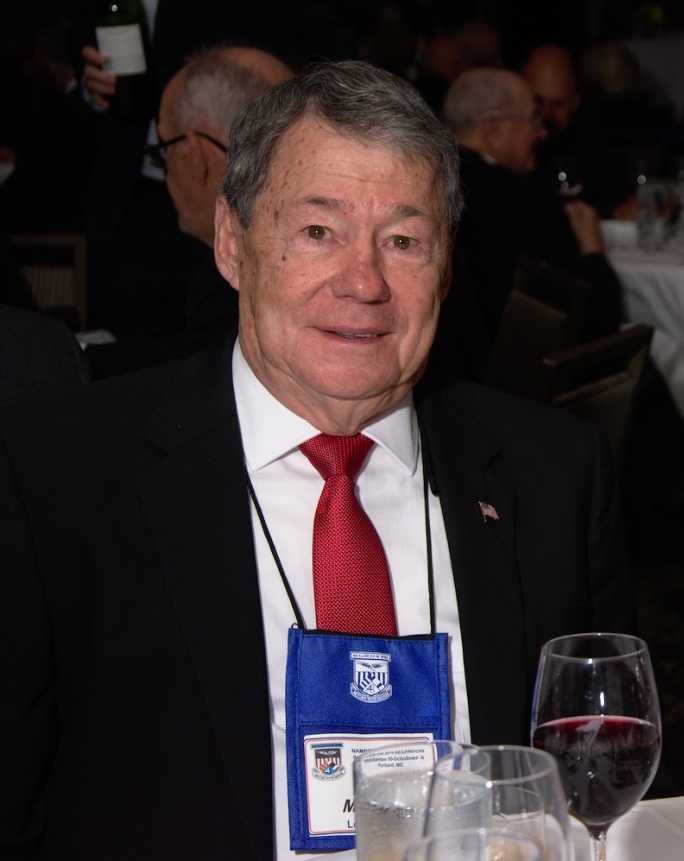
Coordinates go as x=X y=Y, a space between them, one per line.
x=286 y=582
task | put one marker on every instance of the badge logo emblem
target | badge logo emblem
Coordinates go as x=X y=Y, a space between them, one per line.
x=328 y=762
x=371 y=677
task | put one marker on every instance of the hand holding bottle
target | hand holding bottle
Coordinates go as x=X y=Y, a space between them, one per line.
x=101 y=85
x=117 y=72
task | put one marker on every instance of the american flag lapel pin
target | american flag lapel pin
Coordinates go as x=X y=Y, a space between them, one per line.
x=487 y=511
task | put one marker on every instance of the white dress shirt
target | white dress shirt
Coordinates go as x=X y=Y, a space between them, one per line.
x=390 y=488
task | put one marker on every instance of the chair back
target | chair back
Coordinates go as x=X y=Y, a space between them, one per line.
x=600 y=381
x=544 y=313
x=54 y=267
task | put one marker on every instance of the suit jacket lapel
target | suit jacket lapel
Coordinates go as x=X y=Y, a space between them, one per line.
x=464 y=462
x=197 y=508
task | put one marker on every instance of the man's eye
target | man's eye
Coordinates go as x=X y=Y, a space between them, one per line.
x=315 y=231
x=402 y=242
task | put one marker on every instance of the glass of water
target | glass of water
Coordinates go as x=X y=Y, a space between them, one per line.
x=653 y=200
x=392 y=791
x=476 y=844
x=528 y=798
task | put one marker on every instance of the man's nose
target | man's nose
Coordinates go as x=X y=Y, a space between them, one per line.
x=363 y=276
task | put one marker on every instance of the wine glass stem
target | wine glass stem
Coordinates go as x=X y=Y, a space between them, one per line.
x=598 y=847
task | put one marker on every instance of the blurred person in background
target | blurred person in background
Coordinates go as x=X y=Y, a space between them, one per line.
x=46 y=192
x=576 y=144
x=196 y=112
x=508 y=212
x=141 y=263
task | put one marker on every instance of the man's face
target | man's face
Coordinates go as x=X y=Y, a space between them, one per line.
x=194 y=211
x=519 y=133
x=556 y=95
x=340 y=274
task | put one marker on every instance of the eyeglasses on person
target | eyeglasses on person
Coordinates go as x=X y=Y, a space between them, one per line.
x=535 y=118
x=157 y=152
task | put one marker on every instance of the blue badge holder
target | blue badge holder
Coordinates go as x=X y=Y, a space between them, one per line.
x=341 y=684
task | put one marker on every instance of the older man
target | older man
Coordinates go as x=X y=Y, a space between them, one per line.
x=178 y=542
x=196 y=112
x=494 y=117
x=197 y=109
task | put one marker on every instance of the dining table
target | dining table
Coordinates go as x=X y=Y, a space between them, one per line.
x=650 y=831
x=653 y=292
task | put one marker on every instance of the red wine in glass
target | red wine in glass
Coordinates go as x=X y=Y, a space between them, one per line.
x=606 y=763
x=595 y=710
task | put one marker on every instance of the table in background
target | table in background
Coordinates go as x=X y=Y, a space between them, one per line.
x=653 y=291
x=651 y=831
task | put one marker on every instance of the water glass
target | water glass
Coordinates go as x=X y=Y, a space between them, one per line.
x=527 y=796
x=460 y=794
x=392 y=790
x=653 y=205
x=476 y=844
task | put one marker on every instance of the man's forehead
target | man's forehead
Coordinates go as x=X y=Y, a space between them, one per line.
x=311 y=138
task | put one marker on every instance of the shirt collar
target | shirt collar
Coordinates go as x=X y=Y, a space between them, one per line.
x=271 y=431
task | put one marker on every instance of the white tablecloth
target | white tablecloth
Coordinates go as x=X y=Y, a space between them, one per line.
x=652 y=831
x=653 y=289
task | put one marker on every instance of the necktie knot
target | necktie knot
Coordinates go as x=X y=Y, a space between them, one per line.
x=337 y=455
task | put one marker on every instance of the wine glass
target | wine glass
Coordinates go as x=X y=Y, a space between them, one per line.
x=596 y=711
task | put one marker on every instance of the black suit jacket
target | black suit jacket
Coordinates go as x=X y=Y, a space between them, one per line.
x=136 y=723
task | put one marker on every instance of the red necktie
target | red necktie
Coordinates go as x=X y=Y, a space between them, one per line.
x=352 y=585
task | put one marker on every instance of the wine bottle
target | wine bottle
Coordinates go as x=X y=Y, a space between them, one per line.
x=121 y=33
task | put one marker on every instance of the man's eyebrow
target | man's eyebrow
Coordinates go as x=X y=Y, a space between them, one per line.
x=407 y=210
x=334 y=204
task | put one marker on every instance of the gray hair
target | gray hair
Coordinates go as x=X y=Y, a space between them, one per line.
x=473 y=95
x=354 y=98
x=216 y=87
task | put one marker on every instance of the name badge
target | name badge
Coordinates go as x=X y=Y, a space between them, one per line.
x=346 y=694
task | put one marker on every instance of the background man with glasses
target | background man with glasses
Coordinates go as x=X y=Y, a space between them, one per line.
x=197 y=110
x=494 y=117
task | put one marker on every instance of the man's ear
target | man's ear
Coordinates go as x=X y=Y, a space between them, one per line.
x=490 y=133
x=195 y=158
x=227 y=231
x=208 y=161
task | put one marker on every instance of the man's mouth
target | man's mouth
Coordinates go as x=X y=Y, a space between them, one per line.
x=354 y=335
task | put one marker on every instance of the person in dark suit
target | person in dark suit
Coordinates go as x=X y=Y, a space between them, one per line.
x=141 y=264
x=509 y=212
x=197 y=109
x=577 y=133
x=46 y=191
x=143 y=616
